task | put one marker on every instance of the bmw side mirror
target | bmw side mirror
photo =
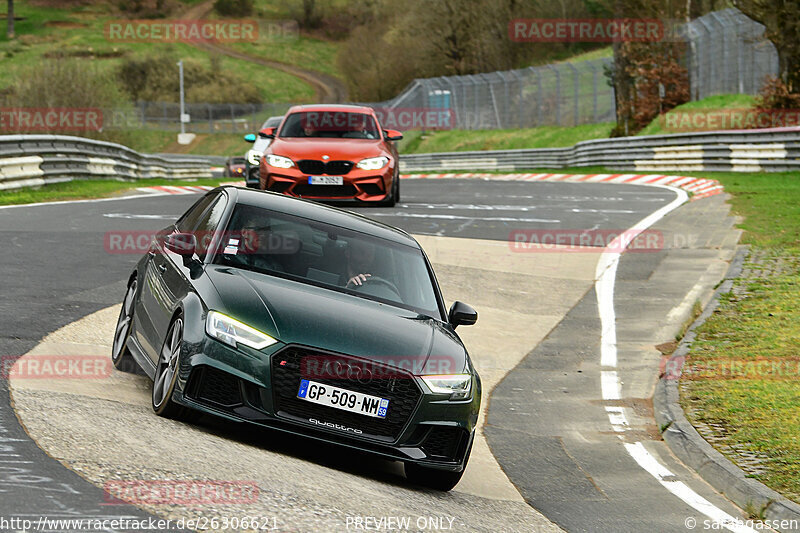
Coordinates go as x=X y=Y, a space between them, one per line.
x=393 y=135
x=267 y=133
x=462 y=314
x=184 y=244
x=250 y=137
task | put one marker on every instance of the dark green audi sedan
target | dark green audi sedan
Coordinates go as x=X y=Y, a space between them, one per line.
x=304 y=318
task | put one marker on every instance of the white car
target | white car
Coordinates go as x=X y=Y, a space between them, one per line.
x=253 y=155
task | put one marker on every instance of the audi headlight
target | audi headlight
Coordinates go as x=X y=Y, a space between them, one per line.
x=459 y=386
x=279 y=161
x=254 y=157
x=373 y=163
x=233 y=332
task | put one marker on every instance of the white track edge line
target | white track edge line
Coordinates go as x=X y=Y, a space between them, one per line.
x=611 y=386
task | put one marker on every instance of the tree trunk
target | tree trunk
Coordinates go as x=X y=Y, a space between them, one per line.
x=10 y=31
x=788 y=70
x=308 y=12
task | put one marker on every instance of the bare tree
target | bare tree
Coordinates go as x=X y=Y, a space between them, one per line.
x=639 y=69
x=10 y=30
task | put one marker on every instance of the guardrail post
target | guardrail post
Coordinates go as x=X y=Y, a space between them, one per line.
x=453 y=99
x=142 y=115
x=576 y=83
x=506 y=114
x=594 y=92
x=558 y=93
x=723 y=36
x=709 y=70
x=490 y=85
x=520 y=107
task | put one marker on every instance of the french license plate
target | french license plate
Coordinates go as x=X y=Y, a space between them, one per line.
x=325 y=180
x=346 y=400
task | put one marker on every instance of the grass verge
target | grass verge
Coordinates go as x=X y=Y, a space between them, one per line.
x=226 y=144
x=743 y=371
x=712 y=103
x=416 y=142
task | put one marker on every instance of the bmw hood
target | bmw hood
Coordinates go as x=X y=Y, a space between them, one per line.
x=336 y=149
x=297 y=313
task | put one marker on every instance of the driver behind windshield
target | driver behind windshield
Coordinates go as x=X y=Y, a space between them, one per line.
x=360 y=261
x=256 y=244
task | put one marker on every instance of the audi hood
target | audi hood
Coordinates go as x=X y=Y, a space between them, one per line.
x=297 y=313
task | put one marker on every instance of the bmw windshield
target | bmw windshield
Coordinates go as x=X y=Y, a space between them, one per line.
x=330 y=124
x=328 y=256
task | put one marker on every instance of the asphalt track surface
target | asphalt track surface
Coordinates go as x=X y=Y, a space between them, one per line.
x=55 y=270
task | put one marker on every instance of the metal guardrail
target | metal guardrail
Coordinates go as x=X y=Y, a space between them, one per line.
x=212 y=160
x=734 y=151
x=33 y=160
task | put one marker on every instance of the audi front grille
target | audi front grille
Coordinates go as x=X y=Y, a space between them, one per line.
x=396 y=385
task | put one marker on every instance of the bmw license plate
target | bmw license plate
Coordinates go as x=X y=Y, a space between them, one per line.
x=325 y=180
x=346 y=400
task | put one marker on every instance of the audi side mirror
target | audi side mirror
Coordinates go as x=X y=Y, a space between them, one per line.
x=250 y=137
x=462 y=314
x=184 y=244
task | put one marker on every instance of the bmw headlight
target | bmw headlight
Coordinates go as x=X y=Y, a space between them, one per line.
x=279 y=161
x=459 y=386
x=254 y=157
x=373 y=163
x=232 y=332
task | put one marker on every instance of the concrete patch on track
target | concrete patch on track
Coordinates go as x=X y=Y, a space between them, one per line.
x=104 y=428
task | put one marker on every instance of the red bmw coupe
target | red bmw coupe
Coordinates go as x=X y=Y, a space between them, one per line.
x=333 y=153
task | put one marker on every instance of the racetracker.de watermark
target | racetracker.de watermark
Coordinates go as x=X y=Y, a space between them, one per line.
x=404 y=118
x=244 y=242
x=55 y=367
x=588 y=240
x=46 y=523
x=729 y=119
x=179 y=492
x=416 y=118
x=174 y=31
x=40 y=119
x=675 y=367
x=585 y=30
x=334 y=367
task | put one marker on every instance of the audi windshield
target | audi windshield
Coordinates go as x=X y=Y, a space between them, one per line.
x=329 y=256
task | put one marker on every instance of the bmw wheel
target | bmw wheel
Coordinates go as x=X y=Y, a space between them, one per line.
x=395 y=194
